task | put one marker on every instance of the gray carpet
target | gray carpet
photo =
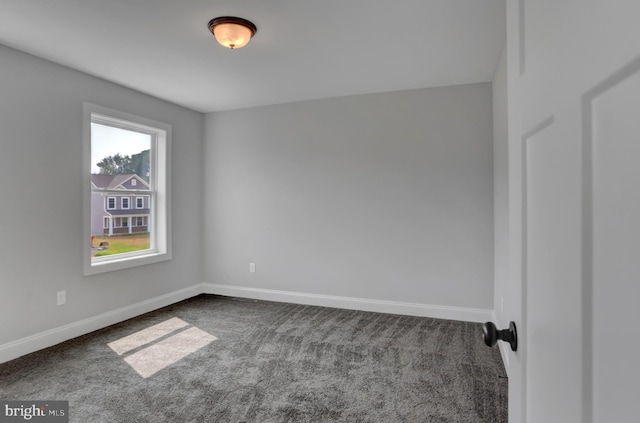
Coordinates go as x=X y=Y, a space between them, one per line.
x=270 y=362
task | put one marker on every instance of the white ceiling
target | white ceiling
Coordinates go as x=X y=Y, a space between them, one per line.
x=303 y=49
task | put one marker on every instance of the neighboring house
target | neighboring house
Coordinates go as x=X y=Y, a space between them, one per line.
x=115 y=214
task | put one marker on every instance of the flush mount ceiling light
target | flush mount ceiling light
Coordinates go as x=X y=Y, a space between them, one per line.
x=232 y=32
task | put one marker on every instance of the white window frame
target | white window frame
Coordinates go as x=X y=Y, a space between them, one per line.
x=115 y=203
x=105 y=222
x=127 y=200
x=139 y=198
x=159 y=221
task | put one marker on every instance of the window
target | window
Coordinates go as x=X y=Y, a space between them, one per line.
x=118 y=145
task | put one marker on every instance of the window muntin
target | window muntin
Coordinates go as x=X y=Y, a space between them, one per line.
x=139 y=202
x=150 y=164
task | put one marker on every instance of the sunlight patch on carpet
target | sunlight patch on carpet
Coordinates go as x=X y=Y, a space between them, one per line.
x=159 y=355
x=145 y=336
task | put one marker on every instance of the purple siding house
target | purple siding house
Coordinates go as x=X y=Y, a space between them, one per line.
x=115 y=214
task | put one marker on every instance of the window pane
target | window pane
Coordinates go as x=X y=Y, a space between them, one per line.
x=120 y=161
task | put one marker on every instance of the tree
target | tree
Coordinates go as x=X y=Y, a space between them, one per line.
x=114 y=165
x=140 y=163
x=119 y=164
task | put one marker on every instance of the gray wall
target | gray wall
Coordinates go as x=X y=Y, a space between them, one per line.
x=384 y=196
x=41 y=195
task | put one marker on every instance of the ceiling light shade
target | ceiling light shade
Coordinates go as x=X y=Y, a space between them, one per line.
x=232 y=32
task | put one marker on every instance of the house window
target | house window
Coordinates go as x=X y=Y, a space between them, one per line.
x=122 y=151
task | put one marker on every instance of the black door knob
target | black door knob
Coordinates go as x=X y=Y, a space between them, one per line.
x=491 y=335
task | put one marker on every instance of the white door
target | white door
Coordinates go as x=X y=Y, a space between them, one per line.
x=574 y=161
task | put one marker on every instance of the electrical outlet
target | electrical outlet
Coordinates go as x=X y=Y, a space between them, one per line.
x=252 y=268
x=62 y=297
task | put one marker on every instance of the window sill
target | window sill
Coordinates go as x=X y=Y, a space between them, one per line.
x=124 y=261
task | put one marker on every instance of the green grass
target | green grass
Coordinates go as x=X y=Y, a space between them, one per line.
x=119 y=244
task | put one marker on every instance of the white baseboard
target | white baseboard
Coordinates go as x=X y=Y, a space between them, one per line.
x=393 y=307
x=15 y=349
x=20 y=347
x=504 y=352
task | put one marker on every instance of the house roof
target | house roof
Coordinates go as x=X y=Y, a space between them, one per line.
x=109 y=182
x=128 y=212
